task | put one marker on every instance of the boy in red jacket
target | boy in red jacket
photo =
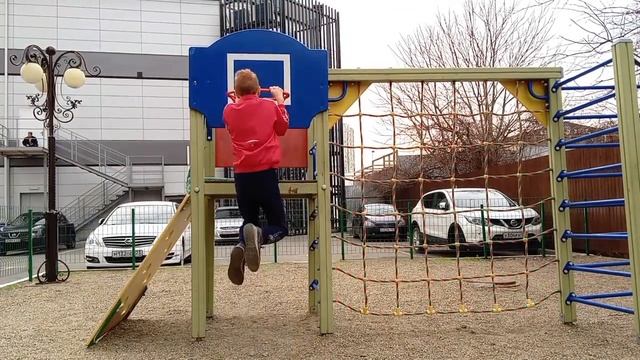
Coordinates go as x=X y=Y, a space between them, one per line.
x=254 y=124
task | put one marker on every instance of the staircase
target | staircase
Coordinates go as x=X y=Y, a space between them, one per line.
x=119 y=173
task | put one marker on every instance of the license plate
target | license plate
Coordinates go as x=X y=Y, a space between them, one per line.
x=387 y=230
x=126 y=253
x=12 y=241
x=512 y=236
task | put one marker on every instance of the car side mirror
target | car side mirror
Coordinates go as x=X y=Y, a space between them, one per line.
x=442 y=205
x=101 y=221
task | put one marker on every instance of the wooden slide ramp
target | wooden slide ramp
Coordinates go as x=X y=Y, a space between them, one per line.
x=137 y=285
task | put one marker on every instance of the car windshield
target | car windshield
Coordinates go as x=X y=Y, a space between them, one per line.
x=144 y=214
x=475 y=199
x=379 y=209
x=233 y=213
x=23 y=220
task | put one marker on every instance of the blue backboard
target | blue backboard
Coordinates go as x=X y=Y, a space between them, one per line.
x=276 y=58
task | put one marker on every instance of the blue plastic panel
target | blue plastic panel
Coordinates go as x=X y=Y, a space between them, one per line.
x=278 y=59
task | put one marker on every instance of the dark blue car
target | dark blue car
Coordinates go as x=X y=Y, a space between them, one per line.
x=15 y=235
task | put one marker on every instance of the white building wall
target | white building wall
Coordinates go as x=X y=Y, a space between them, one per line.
x=167 y=27
x=111 y=109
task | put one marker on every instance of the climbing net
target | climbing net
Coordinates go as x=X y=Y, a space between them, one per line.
x=436 y=168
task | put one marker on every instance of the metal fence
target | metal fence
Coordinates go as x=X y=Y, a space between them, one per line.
x=124 y=237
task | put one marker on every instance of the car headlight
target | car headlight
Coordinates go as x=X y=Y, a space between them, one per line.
x=537 y=220
x=92 y=240
x=475 y=220
x=37 y=231
x=369 y=223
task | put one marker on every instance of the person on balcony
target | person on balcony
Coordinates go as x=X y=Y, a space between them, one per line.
x=30 y=140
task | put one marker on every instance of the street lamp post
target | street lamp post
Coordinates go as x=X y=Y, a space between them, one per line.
x=41 y=68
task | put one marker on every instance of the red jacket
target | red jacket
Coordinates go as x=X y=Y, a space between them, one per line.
x=254 y=125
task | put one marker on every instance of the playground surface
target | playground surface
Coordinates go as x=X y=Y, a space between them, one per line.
x=267 y=317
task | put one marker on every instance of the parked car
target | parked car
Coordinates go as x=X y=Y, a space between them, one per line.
x=110 y=245
x=433 y=219
x=378 y=221
x=15 y=235
x=228 y=221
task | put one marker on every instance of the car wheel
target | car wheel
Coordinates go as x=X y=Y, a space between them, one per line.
x=418 y=238
x=456 y=237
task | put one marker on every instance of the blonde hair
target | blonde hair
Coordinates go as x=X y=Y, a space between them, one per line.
x=246 y=82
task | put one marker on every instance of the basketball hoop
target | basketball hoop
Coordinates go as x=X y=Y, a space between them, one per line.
x=232 y=94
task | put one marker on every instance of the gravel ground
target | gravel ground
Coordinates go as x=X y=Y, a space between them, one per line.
x=267 y=318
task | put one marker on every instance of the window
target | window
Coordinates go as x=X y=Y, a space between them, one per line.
x=475 y=199
x=380 y=209
x=230 y=213
x=437 y=199
x=145 y=214
x=427 y=201
x=23 y=219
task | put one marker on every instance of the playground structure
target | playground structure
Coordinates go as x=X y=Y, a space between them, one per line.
x=319 y=98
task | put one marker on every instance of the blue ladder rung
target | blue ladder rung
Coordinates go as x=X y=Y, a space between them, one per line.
x=591 y=87
x=566 y=204
x=573 y=267
x=563 y=113
x=591 y=117
x=588 y=171
x=607 y=264
x=579 y=299
x=598 y=236
x=593 y=135
x=592 y=146
x=559 y=84
x=592 y=176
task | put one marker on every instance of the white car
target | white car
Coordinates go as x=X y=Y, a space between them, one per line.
x=228 y=221
x=433 y=219
x=110 y=245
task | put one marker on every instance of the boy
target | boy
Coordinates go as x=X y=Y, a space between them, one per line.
x=254 y=124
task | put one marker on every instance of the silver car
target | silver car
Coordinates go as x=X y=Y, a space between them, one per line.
x=228 y=223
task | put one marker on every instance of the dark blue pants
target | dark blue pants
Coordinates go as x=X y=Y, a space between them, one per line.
x=259 y=190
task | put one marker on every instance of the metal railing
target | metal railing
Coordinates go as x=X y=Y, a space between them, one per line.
x=118 y=171
x=90 y=204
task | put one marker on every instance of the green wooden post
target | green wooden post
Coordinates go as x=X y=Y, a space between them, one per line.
x=198 y=226
x=485 y=250
x=629 y=123
x=542 y=246
x=30 y=244
x=275 y=252
x=133 y=238
x=587 y=244
x=324 y=224
x=410 y=233
x=559 y=192
x=343 y=224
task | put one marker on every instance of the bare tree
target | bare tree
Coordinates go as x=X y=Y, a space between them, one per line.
x=601 y=23
x=481 y=119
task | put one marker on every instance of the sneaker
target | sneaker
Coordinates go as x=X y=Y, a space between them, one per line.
x=252 y=237
x=236 y=265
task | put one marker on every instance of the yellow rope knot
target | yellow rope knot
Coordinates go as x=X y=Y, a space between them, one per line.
x=463 y=309
x=364 y=310
x=531 y=303
x=431 y=310
x=397 y=312
x=497 y=308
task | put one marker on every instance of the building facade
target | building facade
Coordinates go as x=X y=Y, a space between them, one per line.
x=137 y=108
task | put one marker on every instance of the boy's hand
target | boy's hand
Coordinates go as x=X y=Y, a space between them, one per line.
x=277 y=93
